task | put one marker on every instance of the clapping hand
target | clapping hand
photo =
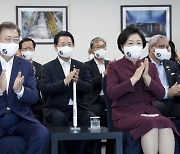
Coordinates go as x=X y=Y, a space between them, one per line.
x=145 y=75
x=18 y=83
x=3 y=82
x=142 y=71
x=174 y=90
x=73 y=75
x=76 y=75
x=137 y=75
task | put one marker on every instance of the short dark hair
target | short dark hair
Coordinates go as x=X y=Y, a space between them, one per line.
x=26 y=40
x=124 y=35
x=9 y=25
x=63 y=33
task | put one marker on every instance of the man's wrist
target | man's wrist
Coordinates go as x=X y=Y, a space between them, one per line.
x=1 y=92
x=65 y=82
x=18 y=91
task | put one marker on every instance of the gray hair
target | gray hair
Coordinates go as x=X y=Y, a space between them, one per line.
x=97 y=39
x=155 y=39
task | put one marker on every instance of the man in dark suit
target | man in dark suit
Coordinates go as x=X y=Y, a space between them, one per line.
x=17 y=92
x=57 y=80
x=27 y=49
x=97 y=68
x=159 y=54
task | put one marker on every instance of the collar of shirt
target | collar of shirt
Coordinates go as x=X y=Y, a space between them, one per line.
x=100 y=66
x=98 y=62
x=6 y=64
x=65 y=66
x=162 y=76
x=157 y=64
x=62 y=62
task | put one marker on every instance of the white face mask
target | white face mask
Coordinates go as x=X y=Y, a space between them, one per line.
x=65 y=52
x=28 y=54
x=134 y=52
x=90 y=56
x=162 y=54
x=100 y=54
x=8 y=49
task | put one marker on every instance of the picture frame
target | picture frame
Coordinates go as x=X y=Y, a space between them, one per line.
x=150 y=19
x=41 y=23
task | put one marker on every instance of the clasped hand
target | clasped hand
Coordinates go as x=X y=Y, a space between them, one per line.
x=174 y=90
x=3 y=82
x=17 y=83
x=72 y=76
x=142 y=71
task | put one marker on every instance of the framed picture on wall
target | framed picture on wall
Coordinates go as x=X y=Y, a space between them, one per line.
x=41 y=23
x=150 y=19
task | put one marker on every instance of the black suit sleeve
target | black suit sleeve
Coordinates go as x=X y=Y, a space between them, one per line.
x=94 y=72
x=49 y=87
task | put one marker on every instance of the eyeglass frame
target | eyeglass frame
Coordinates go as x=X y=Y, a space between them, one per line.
x=10 y=40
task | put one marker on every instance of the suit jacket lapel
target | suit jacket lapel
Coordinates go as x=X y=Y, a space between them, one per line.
x=106 y=63
x=14 y=73
x=168 y=73
x=95 y=67
x=72 y=66
x=58 y=69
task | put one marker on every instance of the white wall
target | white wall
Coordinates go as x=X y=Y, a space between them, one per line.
x=89 y=19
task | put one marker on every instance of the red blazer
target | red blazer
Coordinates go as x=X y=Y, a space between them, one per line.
x=128 y=99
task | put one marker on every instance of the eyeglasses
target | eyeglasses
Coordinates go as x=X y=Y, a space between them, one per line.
x=10 y=40
x=63 y=45
x=27 y=48
x=97 y=47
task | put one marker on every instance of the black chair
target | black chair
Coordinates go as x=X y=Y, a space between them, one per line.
x=130 y=146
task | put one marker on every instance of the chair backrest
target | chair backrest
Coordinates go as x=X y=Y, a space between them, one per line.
x=108 y=105
x=130 y=146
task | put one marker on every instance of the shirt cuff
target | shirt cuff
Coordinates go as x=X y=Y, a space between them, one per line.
x=166 y=92
x=20 y=94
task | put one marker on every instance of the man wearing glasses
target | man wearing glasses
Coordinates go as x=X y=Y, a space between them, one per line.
x=97 y=69
x=17 y=92
x=27 y=50
x=57 y=80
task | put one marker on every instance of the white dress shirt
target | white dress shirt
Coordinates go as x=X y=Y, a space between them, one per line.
x=8 y=67
x=162 y=76
x=65 y=66
x=101 y=68
x=66 y=69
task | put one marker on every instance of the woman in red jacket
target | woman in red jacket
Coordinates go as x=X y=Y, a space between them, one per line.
x=133 y=84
